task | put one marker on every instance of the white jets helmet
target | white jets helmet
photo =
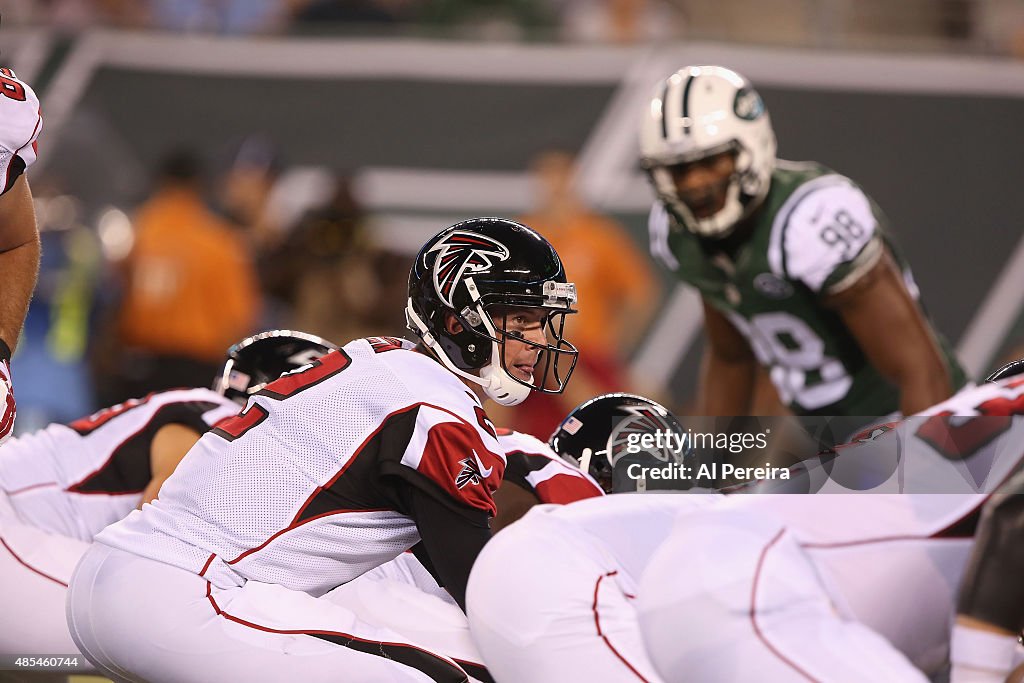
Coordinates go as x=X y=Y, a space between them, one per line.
x=698 y=112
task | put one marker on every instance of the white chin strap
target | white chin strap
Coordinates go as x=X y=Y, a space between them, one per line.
x=718 y=225
x=725 y=220
x=497 y=383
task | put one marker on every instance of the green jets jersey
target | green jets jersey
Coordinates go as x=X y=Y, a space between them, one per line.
x=815 y=235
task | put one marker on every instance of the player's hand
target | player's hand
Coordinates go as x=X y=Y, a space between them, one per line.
x=8 y=409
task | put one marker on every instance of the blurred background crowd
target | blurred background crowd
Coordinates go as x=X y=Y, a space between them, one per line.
x=185 y=205
x=983 y=25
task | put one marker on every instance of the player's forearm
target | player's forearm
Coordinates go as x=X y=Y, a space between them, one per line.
x=726 y=386
x=20 y=268
x=990 y=605
x=924 y=389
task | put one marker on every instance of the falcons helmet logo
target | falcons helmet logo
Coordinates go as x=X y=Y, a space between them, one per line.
x=639 y=421
x=469 y=474
x=462 y=253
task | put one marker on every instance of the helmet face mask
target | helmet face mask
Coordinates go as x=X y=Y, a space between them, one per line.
x=697 y=113
x=480 y=267
x=1011 y=369
x=551 y=355
x=260 y=359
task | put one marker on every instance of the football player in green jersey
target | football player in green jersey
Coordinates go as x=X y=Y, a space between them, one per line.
x=793 y=261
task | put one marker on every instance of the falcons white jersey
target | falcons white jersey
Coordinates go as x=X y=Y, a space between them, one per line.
x=890 y=561
x=21 y=119
x=532 y=465
x=302 y=488
x=630 y=526
x=76 y=479
x=970 y=443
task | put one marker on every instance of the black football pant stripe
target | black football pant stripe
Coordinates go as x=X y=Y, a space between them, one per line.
x=477 y=671
x=433 y=666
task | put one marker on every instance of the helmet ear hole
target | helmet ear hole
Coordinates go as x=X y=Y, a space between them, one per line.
x=452 y=324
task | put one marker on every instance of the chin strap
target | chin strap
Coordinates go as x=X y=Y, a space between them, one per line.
x=497 y=383
x=500 y=387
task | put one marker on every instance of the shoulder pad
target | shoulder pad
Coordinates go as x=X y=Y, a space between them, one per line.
x=659 y=227
x=20 y=123
x=825 y=224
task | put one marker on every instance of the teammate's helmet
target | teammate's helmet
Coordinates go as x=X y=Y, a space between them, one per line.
x=1015 y=367
x=698 y=112
x=468 y=269
x=258 y=360
x=603 y=434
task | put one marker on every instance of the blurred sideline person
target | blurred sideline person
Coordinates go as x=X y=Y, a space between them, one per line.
x=21 y=121
x=611 y=275
x=328 y=274
x=371 y=450
x=190 y=287
x=794 y=262
x=61 y=486
x=244 y=190
x=778 y=587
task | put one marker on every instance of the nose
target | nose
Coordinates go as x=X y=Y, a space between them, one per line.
x=536 y=335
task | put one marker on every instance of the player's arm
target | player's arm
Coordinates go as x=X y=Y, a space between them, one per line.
x=451 y=538
x=513 y=500
x=990 y=608
x=728 y=369
x=170 y=445
x=833 y=244
x=19 y=258
x=892 y=332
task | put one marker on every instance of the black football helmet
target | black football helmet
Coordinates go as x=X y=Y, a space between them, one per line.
x=595 y=437
x=258 y=360
x=472 y=267
x=1011 y=369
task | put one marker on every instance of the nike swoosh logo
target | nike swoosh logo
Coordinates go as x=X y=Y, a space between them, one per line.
x=484 y=471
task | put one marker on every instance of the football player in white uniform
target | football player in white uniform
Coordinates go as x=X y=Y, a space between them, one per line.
x=774 y=587
x=403 y=595
x=546 y=631
x=329 y=472
x=61 y=486
x=21 y=120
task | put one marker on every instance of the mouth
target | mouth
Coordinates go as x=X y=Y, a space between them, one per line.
x=705 y=206
x=522 y=371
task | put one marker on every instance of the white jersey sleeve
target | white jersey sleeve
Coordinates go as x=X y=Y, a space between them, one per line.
x=307 y=487
x=825 y=235
x=21 y=120
x=76 y=479
x=532 y=465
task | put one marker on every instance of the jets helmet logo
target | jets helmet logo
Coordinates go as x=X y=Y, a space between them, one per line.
x=463 y=253
x=640 y=421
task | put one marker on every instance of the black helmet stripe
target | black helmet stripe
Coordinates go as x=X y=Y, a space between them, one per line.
x=686 y=103
x=664 y=111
